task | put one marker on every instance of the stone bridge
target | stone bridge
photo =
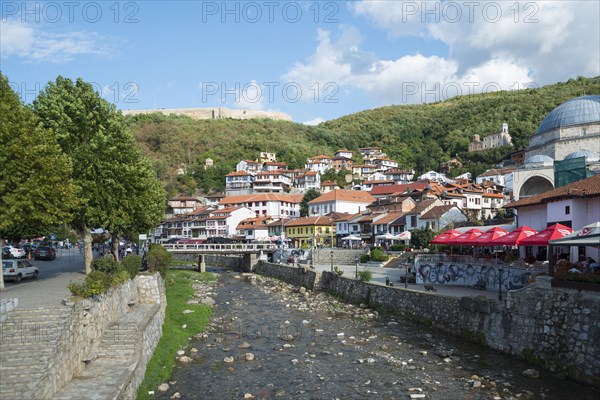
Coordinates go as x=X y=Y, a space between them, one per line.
x=250 y=252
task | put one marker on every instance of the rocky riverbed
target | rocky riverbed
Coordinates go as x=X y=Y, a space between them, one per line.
x=270 y=340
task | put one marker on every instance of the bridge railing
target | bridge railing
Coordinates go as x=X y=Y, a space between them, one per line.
x=224 y=247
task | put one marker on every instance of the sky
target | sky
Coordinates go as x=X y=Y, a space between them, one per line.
x=313 y=60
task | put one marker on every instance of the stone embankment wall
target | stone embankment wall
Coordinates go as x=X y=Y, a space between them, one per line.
x=557 y=329
x=297 y=276
x=78 y=341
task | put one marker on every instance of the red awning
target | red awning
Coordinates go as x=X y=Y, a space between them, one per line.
x=515 y=237
x=443 y=238
x=488 y=238
x=552 y=232
x=468 y=236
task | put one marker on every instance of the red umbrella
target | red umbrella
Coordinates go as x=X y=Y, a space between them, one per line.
x=515 y=237
x=468 y=236
x=487 y=239
x=443 y=238
x=552 y=232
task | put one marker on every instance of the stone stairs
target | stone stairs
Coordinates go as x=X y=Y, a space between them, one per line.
x=117 y=357
x=29 y=339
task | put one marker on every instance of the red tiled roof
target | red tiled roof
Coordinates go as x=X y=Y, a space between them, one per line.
x=356 y=196
x=589 y=187
x=311 y=221
x=238 y=173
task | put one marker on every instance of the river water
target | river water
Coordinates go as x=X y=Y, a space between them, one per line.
x=310 y=346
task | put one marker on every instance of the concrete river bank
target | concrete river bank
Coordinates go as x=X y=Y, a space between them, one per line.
x=270 y=340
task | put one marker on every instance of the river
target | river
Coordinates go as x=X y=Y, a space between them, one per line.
x=269 y=340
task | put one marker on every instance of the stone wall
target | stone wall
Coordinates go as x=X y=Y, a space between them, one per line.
x=298 y=276
x=554 y=328
x=79 y=339
x=6 y=306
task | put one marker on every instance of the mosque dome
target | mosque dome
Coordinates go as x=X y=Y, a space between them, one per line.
x=540 y=159
x=590 y=156
x=577 y=111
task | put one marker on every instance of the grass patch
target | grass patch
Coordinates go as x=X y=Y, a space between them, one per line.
x=174 y=337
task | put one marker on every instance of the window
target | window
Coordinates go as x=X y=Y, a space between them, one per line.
x=567 y=210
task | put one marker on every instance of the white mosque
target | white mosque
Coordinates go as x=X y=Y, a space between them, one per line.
x=569 y=132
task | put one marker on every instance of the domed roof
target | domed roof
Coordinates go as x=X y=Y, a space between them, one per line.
x=580 y=110
x=588 y=154
x=539 y=159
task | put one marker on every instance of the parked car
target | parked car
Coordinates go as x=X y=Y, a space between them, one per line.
x=16 y=270
x=14 y=252
x=44 y=253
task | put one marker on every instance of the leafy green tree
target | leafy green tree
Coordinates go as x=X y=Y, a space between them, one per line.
x=310 y=194
x=102 y=151
x=421 y=237
x=36 y=191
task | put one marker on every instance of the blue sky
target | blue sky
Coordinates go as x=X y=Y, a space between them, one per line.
x=312 y=60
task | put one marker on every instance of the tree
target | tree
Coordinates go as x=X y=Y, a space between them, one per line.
x=421 y=237
x=310 y=194
x=36 y=190
x=93 y=135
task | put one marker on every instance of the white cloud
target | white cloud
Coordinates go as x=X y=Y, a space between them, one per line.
x=315 y=121
x=489 y=48
x=24 y=41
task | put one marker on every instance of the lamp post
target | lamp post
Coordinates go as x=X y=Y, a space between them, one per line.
x=500 y=271
x=331 y=260
x=356 y=265
x=406 y=275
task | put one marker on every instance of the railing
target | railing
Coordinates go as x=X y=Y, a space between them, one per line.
x=465 y=259
x=221 y=248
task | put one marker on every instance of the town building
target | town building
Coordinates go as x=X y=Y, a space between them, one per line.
x=255 y=229
x=181 y=205
x=319 y=230
x=491 y=141
x=263 y=204
x=308 y=180
x=341 y=201
x=224 y=222
x=239 y=183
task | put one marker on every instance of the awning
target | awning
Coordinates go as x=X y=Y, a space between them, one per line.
x=466 y=237
x=589 y=235
x=406 y=235
x=387 y=236
x=351 y=238
x=515 y=237
x=444 y=237
x=542 y=238
x=488 y=238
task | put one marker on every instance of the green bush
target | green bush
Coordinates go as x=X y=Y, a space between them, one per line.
x=132 y=263
x=95 y=283
x=365 y=276
x=105 y=264
x=119 y=277
x=378 y=255
x=398 y=247
x=158 y=259
x=364 y=258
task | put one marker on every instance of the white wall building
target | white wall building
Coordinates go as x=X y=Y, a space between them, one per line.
x=341 y=201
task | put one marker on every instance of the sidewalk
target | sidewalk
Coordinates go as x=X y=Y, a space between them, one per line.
x=380 y=274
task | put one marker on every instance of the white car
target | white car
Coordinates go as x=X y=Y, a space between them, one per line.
x=15 y=270
x=16 y=252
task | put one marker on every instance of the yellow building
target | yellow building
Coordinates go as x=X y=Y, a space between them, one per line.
x=318 y=230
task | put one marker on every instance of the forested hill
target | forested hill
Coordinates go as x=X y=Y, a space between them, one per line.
x=417 y=136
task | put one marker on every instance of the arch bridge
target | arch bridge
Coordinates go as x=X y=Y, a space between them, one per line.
x=250 y=252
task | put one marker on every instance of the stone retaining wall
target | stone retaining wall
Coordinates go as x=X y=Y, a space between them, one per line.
x=554 y=328
x=6 y=306
x=78 y=340
x=297 y=276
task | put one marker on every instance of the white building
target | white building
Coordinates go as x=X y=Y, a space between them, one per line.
x=263 y=204
x=238 y=183
x=224 y=222
x=341 y=201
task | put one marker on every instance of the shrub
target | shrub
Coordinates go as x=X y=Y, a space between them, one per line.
x=377 y=254
x=338 y=271
x=119 y=277
x=132 y=263
x=365 y=276
x=398 y=247
x=95 y=283
x=105 y=264
x=158 y=259
x=364 y=258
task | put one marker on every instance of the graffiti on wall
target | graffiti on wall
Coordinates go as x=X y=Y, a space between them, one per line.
x=448 y=273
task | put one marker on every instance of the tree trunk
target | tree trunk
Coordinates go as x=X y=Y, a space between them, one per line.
x=1 y=275
x=88 y=256
x=115 y=246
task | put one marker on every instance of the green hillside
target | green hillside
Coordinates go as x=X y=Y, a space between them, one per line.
x=418 y=136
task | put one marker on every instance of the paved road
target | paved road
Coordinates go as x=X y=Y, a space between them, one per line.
x=51 y=285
